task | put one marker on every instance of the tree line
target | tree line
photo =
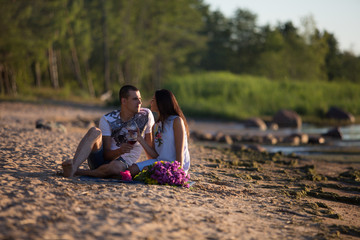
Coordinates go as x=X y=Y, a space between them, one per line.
x=94 y=45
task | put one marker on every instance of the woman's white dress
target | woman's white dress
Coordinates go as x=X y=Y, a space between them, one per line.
x=165 y=144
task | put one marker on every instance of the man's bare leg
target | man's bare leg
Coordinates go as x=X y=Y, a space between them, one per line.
x=92 y=141
x=111 y=169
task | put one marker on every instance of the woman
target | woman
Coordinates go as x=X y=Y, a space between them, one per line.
x=170 y=133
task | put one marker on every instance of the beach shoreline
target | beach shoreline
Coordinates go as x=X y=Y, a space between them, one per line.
x=237 y=194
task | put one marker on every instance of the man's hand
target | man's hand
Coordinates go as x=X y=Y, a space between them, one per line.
x=126 y=148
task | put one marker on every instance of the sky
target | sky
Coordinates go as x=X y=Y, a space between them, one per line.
x=339 y=17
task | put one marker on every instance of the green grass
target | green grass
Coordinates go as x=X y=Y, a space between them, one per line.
x=228 y=96
x=46 y=93
x=223 y=95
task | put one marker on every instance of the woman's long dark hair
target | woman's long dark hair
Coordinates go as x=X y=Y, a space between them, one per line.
x=167 y=105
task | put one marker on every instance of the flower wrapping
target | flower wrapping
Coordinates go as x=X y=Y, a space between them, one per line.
x=164 y=173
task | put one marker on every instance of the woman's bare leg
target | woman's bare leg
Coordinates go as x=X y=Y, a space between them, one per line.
x=92 y=141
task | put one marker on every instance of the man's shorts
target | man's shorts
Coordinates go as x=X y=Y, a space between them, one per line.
x=96 y=159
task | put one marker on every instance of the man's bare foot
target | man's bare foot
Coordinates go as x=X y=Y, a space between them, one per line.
x=67 y=168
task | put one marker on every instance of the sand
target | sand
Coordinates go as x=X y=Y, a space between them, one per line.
x=236 y=195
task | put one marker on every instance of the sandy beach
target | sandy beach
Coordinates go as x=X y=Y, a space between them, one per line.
x=238 y=194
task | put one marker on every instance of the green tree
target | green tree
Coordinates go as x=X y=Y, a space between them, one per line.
x=332 y=58
x=217 y=29
x=12 y=47
x=244 y=41
x=31 y=29
x=270 y=61
x=155 y=38
x=350 y=67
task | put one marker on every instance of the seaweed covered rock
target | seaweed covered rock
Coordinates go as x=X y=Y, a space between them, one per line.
x=352 y=174
x=255 y=123
x=333 y=133
x=340 y=114
x=287 y=118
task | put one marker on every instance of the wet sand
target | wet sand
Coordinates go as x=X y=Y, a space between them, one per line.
x=237 y=194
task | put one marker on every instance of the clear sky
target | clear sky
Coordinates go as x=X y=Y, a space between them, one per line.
x=339 y=17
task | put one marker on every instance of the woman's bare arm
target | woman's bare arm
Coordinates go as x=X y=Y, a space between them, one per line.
x=148 y=145
x=179 y=137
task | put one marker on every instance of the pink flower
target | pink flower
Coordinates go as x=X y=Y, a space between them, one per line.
x=158 y=135
x=126 y=176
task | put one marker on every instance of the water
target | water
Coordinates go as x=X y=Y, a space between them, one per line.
x=351 y=139
x=350 y=133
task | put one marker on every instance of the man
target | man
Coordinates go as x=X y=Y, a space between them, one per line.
x=106 y=149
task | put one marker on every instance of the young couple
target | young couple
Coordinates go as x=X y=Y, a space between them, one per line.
x=107 y=149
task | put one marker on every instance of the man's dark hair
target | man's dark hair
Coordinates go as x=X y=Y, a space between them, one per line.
x=124 y=91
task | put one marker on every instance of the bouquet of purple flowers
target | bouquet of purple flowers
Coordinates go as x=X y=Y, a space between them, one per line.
x=164 y=173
